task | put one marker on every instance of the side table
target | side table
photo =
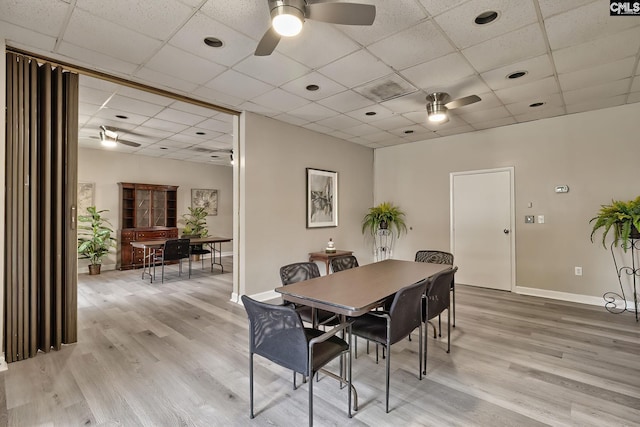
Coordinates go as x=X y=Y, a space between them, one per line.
x=326 y=257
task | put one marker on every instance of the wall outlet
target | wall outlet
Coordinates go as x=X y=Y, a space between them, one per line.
x=578 y=271
x=529 y=219
x=540 y=219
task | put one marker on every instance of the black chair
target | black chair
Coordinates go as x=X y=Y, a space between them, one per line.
x=297 y=272
x=440 y=257
x=276 y=333
x=201 y=251
x=173 y=250
x=389 y=327
x=437 y=299
x=343 y=263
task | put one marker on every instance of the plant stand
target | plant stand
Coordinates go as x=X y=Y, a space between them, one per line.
x=384 y=244
x=611 y=297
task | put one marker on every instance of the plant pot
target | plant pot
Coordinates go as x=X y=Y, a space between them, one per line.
x=94 y=269
x=384 y=225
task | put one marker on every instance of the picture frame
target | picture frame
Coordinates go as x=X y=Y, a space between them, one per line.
x=86 y=197
x=205 y=198
x=322 y=198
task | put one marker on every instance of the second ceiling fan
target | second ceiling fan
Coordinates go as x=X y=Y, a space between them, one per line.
x=287 y=17
x=438 y=104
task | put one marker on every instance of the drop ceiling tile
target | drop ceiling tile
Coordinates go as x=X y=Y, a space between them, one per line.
x=132 y=105
x=177 y=116
x=161 y=19
x=551 y=101
x=553 y=7
x=327 y=86
x=44 y=17
x=275 y=69
x=361 y=130
x=607 y=72
x=249 y=17
x=417 y=117
x=345 y=101
x=439 y=72
x=259 y=109
x=93 y=96
x=191 y=135
x=436 y=7
x=455 y=130
x=317 y=45
x=536 y=68
x=165 y=81
x=361 y=113
x=455 y=121
x=459 y=23
x=318 y=128
x=236 y=46
x=355 y=69
x=339 y=134
x=420 y=43
x=312 y=112
x=596 y=104
x=195 y=109
x=173 y=142
x=25 y=38
x=494 y=123
x=527 y=42
x=378 y=136
x=339 y=122
x=390 y=123
x=389 y=19
x=150 y=134
x=144 y=96
x=92 y=59
x=404 y=104
x=224 y=126
x=544 y=113
x=487 y=100
x=585 y=23
x=529 y=91
x=165 y=125
x=482 y=116
x=216 y=97
x=294 y=120
x=280 y=100
x=90 y=32
x=595 y=52
x=635 y=86
x=239 y=85
x=183 y=65
x=633 y=98
x=592 y=94
x=133 y=119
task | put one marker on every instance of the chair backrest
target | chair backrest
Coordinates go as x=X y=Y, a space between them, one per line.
x=438 y=292
x=297 y=272
x=434 y=257
x=406 y=310
x=175 y=249
x=276 y=333
x=344 y=262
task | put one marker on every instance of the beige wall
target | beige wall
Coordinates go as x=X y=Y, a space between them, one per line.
x=276 y=156
x=107 y=168
x=595 y=153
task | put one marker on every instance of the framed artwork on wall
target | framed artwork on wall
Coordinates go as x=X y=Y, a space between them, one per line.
x=205 y=198
x=86 y=194
x=322 y=198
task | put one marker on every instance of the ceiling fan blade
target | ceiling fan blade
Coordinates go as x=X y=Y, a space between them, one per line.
x=268 y=43
x=341 y=13
x=461 y=102
x=129 y=143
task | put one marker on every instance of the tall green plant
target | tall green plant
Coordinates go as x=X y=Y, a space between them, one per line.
x=619 y=217
x=195 y=222
x=94 y=240
x=382 y=216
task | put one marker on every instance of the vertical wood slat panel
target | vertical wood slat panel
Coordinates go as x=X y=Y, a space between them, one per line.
x=58 y=118
x=45 y=180
x=19 y=219
x=12 y=120
x=32 y=218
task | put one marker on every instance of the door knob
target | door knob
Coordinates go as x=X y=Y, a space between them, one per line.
x=506 y=231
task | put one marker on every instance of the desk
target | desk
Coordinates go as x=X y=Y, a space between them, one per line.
x=326 y=257
x=150 y=246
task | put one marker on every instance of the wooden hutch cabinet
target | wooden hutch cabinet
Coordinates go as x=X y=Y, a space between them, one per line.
x=147 y=212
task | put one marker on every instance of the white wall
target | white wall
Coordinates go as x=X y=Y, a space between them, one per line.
x=595 y=153
x=275 y=158
x=107 y=168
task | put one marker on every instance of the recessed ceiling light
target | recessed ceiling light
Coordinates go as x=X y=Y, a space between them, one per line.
x=408 y=132
x=213 y=42
x=163 y=148
x=516 y=75
x=200 y=133
x=536 y=104
x=486 y=17
x=313 y=88
x=120 y=116
x=370 y=113
x=215 y=157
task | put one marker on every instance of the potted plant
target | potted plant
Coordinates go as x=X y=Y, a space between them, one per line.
x=384 y=216
x=95 y=238
x=621 y=217
x=195 y=223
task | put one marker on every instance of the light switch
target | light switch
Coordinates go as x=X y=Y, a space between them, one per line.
x=540 y=219
x=529 y=219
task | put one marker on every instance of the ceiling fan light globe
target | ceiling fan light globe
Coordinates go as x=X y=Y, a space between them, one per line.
x=287 y=20
x=108 y=143
x=436 y=112
x=438 y=117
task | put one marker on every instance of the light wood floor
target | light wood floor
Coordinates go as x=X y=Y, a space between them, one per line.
x=175 y=354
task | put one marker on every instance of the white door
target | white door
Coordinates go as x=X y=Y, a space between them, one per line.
x=482 y=238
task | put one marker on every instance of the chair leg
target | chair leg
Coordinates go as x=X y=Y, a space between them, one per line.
x=163 y=271
x=388 y=371
x=424 y=351
x=349 y=371
x=453 y=290
x=439 y=325
x=449 y=329
x=311 y=399
x=294 y=381
x=420 y=350
x=251 y=385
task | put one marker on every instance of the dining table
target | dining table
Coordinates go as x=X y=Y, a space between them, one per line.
x=354 y=292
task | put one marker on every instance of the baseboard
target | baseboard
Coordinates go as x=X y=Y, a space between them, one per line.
x=3 y=363
x=105 y=267
x=566 y=296
x=262 y=296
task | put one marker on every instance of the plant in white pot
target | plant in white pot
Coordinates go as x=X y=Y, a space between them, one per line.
x=94 y=238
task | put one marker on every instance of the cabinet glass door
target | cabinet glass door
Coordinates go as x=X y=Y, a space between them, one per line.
x=143 y=208
x=159 y=209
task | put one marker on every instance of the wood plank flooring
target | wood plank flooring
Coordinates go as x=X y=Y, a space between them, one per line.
x=175 y=354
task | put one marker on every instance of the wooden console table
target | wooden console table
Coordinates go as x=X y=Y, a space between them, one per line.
x=326 y=257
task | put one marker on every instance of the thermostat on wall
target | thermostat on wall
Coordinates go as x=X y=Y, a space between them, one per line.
x=562 y=189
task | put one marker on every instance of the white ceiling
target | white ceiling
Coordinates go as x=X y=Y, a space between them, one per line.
x=577 y=58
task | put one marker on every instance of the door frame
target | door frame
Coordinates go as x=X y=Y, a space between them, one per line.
x=512 y=214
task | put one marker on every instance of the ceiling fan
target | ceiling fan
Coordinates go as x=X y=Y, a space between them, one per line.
x=229 y=151
x=287 y=17
x=438 y=104
x=110 y=138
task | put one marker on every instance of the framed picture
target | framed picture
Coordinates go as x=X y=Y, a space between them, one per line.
x=322 y=198
x=204 y=198
x=86 y=191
